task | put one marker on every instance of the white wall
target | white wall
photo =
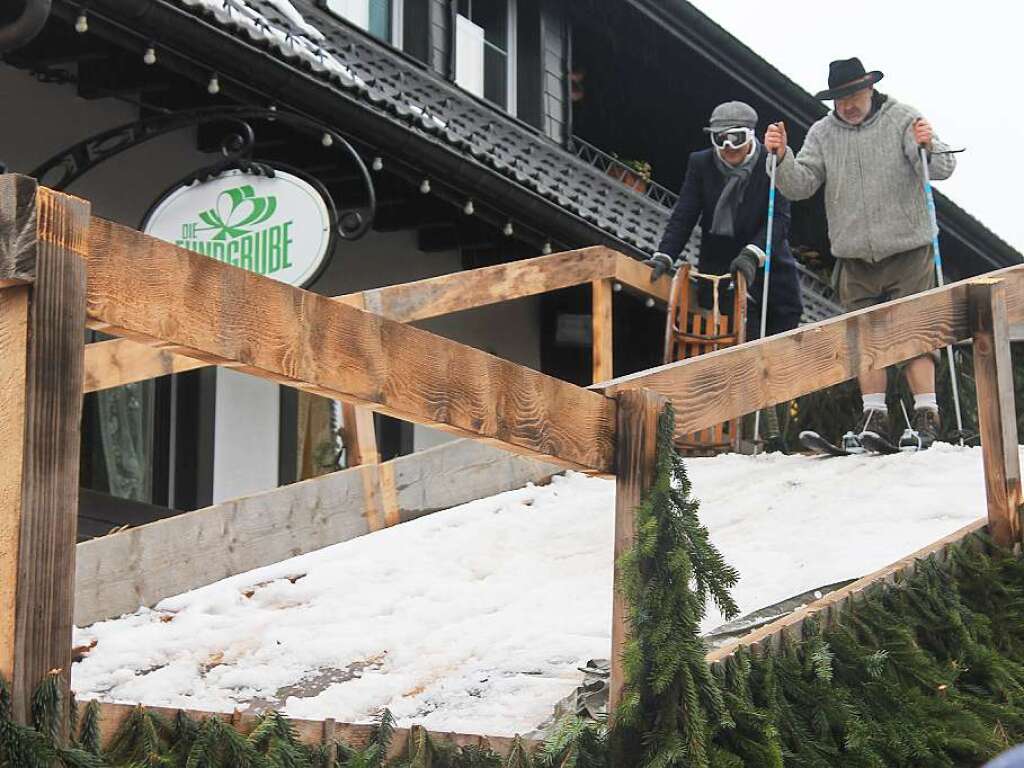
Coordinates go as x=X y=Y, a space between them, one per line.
x=245 y=435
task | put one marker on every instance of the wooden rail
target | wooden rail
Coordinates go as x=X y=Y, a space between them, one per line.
x=180 y=302
x=123 y=361
x=311 y=732
x=170 y=298
x=712 y=388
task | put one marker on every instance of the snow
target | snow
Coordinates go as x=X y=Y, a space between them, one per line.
x=475 y=619
x=306 y=47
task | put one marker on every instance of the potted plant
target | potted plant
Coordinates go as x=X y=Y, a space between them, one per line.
x=635 y=174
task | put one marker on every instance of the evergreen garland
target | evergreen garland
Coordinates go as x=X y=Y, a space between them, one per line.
x=671 y=702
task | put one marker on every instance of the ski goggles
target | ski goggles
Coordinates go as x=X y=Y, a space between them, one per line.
x=733 y=138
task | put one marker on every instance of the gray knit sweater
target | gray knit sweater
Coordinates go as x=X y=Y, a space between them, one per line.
x=874 y=199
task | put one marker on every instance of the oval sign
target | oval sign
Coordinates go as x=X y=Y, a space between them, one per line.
x=278 y=227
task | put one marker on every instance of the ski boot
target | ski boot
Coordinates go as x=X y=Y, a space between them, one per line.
x=874 y=424
x=922 y=432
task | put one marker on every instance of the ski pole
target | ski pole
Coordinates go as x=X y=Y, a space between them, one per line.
x=772 y=163
x=930 y=199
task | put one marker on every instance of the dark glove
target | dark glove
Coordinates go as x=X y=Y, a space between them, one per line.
x=660 y=263
x=747 y=263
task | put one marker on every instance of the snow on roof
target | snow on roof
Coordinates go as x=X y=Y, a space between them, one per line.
x=475 y=619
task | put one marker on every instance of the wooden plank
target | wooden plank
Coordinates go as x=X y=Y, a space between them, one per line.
x=115 y=362
x=635 y=460
x=45 y=507
x=123 y=361
x=171 y=298
x=359 y=436
x=731 y=382
x=601 y=322
x=997 y=414
x=832 y=603
x=637 y=276
x=141 y=566
x=14 y=312
x=455 y=292
x=112 y=716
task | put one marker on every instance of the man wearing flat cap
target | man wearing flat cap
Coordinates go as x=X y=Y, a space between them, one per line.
x=866 y=152
x=726 y=190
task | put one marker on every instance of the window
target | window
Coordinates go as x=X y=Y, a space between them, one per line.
x=381 y=18
x=484 y=49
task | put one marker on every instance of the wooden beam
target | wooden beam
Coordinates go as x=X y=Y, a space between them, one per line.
x=165 y=296
x=637 y=276
x=115 y=362
x=14 y=312
x=635 y=461
x=832 y=604
x=601 y=321
x=722 y=385
x=473 y=288
x=997 y=414
x=39 y=486
x=359 y=436
x=123 y=361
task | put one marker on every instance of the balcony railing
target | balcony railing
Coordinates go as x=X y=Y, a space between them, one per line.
x=604 y=162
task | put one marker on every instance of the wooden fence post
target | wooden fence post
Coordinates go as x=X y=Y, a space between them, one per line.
x=358 y=435
x=601 y=319
x=997 y=416
x=42 y=334
x=635 y=462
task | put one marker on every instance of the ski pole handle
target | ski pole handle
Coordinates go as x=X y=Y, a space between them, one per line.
x=929 y=197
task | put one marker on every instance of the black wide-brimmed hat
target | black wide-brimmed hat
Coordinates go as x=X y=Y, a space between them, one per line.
x=847 y=76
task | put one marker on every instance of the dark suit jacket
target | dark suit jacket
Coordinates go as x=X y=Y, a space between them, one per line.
x=702 y=186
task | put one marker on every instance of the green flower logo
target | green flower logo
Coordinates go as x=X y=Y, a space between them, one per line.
x=237 y=211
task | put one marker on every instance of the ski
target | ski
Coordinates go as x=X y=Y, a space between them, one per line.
x=878 y=444
x=812 y=441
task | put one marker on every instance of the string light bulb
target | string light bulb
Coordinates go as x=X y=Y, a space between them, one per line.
x=547 y=247
x=327 y=140
x=649 y=303
x=149 y=57
x=425 y=186
x=616 y=287
x=507 y=229
x=468 y=208
x=213 y=87
x=378 y=164
x=82 y=22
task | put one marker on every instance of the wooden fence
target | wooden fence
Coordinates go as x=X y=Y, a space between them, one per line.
x=61 y=269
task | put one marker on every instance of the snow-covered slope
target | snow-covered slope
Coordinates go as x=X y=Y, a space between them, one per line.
x=476 y=618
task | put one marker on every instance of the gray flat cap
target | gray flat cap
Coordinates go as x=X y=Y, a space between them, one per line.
x=732 y=114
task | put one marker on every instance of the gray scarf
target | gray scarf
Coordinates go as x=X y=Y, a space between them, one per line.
x=736 y=179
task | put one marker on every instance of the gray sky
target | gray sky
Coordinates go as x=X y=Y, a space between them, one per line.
x=959 y=63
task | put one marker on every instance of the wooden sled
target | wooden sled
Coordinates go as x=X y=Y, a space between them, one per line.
x=691 y=331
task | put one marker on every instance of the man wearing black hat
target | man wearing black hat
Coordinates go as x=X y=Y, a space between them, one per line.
x=866 y=152
x=725 y=190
